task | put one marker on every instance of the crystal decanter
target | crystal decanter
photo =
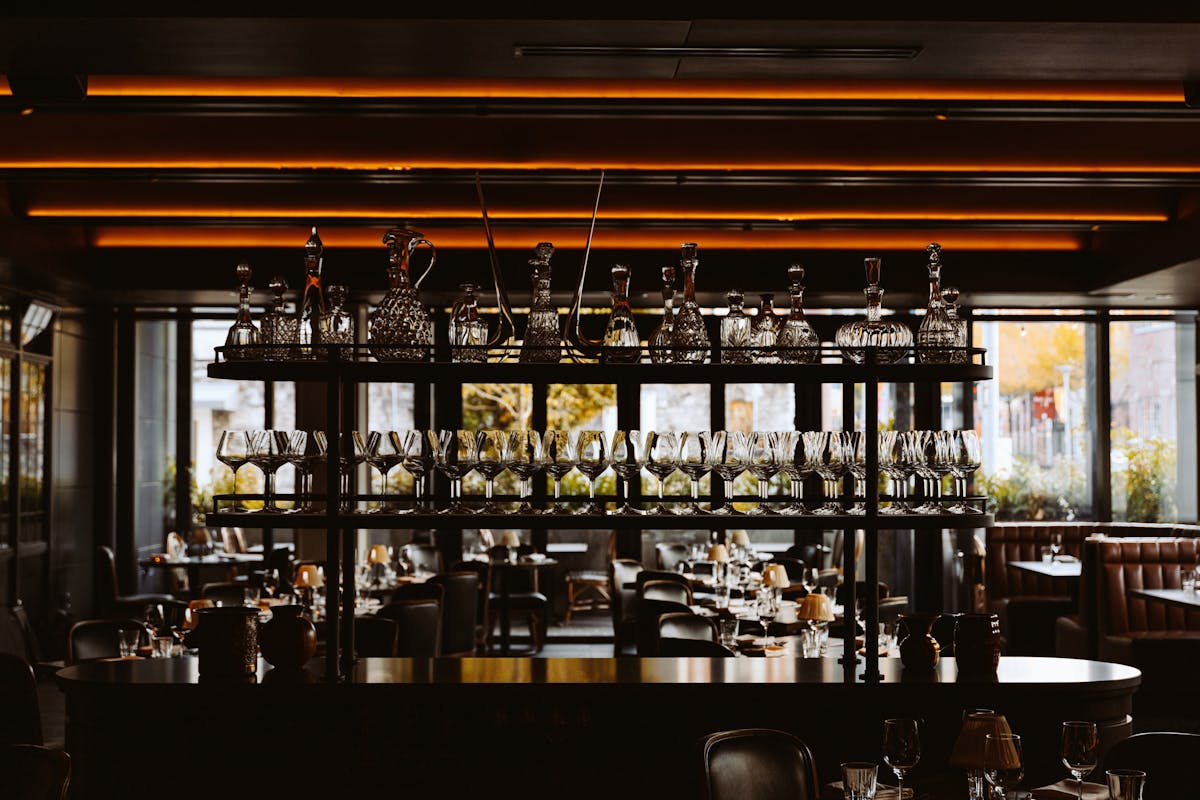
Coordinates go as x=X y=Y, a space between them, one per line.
x=401 y=328
x=312 y=300
x=689 y=337
x=936 y=330
x=621 y=342
x=950 y=300
x=660 y=339
x=890 y=338
x=766 y=332
x=278 y=326
x=796 y=333
x=337 y=324
x=735 y=330
x=468 y=333
x=243 y=336
x=543 y=337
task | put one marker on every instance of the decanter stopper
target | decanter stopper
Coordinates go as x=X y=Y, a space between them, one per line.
x=735 y=330
x=660 y=339
x=243 y=334
x=277 y=286
x=621 y=342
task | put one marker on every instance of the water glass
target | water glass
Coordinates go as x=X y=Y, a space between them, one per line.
x=858 y=780
x=1125 y=784
x=722 y=595
x=163 y=646
x=810 y=643
x=1047 y=555
x=127 y=642
x=727 y=630
x=1188 y=579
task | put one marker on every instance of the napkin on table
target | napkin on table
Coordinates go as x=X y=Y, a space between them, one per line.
x=1069 y=790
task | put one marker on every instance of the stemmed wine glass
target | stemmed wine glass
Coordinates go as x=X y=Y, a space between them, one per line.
x=233 y=450
x=297 y=455
x=268 y=452
x=810 y=578
x=352 y=451
x=628 y=458
x=924 y=453
x=662 y=458
x=491 y=458
x=766 y=607
x=524 y=460
x=856 y=465
x=695 y=453
x=901 y=748
x=730 y=455
x=764 y=463
x=964 y=458
x=558 y=454
x=1002 y=763
x=455 y=457
x=385 y=452
x=1055 y=545
x=797 y=466
x=894 y=463
x=1078 y=749
x=420 y=456
x=592 y=459
x=831 y=461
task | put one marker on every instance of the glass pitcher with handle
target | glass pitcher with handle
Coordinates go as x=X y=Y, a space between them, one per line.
x=401 y=328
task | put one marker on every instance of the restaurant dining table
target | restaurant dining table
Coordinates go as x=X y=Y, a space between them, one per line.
x=1180 y=598
x=194 y=564
x=1069 y=570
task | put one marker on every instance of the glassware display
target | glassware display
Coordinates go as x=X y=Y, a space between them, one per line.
x=621 y=342
x=1003 y=765
x=831 y=455
x=337 y=324
x=901 y=748
x=279 y=327
x=856 y=466
x=894 y=463
x=950 y=301
x=735 y=330
x=797 y=465
x=420 y=458
x=1078 y=748
x=796 y=332
x=268 y=452
x=303 y=453
x=891 y=339
x=543 y=337
x=312 y=298
x=491 y=458
x=660 y=339
x=243 y=336
x=628 y=458
x=765 y=333
x=468 y=332
x=401 y=328
x=689 y=335
x=455 y=457
x=964 y=456
x=936 y=333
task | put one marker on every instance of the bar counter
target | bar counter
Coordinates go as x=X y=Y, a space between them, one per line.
x=539 y=727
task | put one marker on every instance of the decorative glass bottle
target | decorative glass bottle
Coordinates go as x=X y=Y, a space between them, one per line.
x=766 y=332
x=936 y=330
x=660 y=339
x=337 y=324
x=890 y=338
x=796 y=332
x=278 y=326
x=468 y=333
x=735 y=330
x=401 y=328
x=543 y=337
x=621 y=342
x=950 y=300
x=689 y=335
x=312 y=300
x=243 y=336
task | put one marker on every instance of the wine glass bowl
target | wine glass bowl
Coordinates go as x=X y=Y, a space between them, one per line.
x=764 y=462
x=233 y=450
x=695 y=454
x=901 y=748
x=384 y=453
x=964 y=457
x=1078 y=749
x=730 y=457
x=662 y=458
x=524 y=461
x=491 y=458
x=455 y=457
x=831 y=456
x=558 y=455
x=592 y=459
x=628 y=458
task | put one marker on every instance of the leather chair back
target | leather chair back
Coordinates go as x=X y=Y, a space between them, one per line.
x=280 y=560
x=1138 y=563
x=98 y=638
x=668 y=555
x=423 y=556
x=417 y=591
x=1166 y=758
x=107 y=587
x=376 y=637
x=21 y=721
x=665 y=590
x=692 y=648
x=30 y=772
x=661 y=575
x=460 y=603
x=759 y=763
x=419 y=627
x=484 y=572
x=225 y=594
x=686 y=626
x=648 y=613
x=793 y=566
x=622 y=571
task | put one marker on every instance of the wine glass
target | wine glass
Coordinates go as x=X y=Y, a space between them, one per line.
x=662 y=458
x=592 y=459
x=455 y=457
x=856 y=465
x=268 y=452
x=764 y=463
x=420 y=457
x=797 y=466
x=524 y=460
x=1002 y=764
x=730 y=456
x=352 y=451
x=923 y=451
x=296 y=454
x=1055 y=545
x=901 y=748
x=491 y=458
x=831 y=461
x=628 y=458
x=1078 y=749
x=810 y=579
x=894 y=464
x=766 y=606
x=964 y=458
x=695 y=449
x=558 y=455
x=385 y=452
x=233 y=450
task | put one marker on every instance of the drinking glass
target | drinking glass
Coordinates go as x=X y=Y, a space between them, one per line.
x=809 y=579
x=766 y=607
x=858 y=780
x=727 y=630
x=455 y=457
x=831 y=461
x=385 y=452
x=764 y=462
x=1002 y=763
x=127 y=642
x=1055 y=545
x=558 y=454
x=924 y=454
x=524 y=461
x=1125 y=784
x=797 y=466
x=856 y=465
x=420 y=458
x=662 y=458
x=730 y=457
x=695 y=454
x=491 y=458
x=1187 y=579
x=894 y=463
x=233 y=450
x=628 y=458
x=592 y=459
x=352 y=451
x=297 y=455
x=964 y=458
x=163 y=646
x=1078 y=749
x=901 y=748
x=268 y=452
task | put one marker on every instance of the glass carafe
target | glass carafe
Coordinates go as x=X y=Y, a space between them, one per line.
x=735 y=330
x=243 y=337
x=796 y=332
x=660 y=339
x=312 y=299
x=337 y=324
x=621 y=342
x=543 y=338
x=468 y=333
x=689 y=337
x=950 y=300
x=401 y=328
x=890 y=338
x=278 y=326
x=766 y=332
x=936 y=330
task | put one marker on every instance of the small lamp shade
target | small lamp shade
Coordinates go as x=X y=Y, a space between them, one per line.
x=776 y=576
x=815 y=607
x=968 y=749
x=718 y=553
x=378 y=554
x=510 y=539
x=308 y=576
x=740 y=538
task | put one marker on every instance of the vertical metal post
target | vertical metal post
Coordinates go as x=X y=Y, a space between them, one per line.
x=183 y=429
x=629 y=538
x=333 y=430
x=1099 y=408
x=126 y=422
x=871 y=531
x=14 y=469
x=539 y=421
x=849 y=567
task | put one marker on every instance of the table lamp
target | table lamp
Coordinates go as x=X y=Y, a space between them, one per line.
x=510 y=539
x=718 y=553
x=968 y=749
x=740 y=538
x=776 y=577
x=815 y=608
x=378 y=554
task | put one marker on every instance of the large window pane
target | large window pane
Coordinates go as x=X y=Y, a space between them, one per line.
x=154 y=436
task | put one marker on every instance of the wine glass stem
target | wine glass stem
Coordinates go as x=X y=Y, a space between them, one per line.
x=237 y=505
x=729 y=493
x=795 y=489
x=383 y=480
x=695 y=491
x=268 y=490
x=557 y=487
x=660 y=491
x=592 y=490
x=762 y=491
x=487 y=489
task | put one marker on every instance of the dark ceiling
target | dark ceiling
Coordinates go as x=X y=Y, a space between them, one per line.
x=1056 y=160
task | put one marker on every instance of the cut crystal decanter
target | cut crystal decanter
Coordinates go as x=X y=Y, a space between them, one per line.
x=278 y=326
x=936 y=330
x=660 y=339
x=796 y=332
x=766 y=332
x=337 y=324
x=890 y=338
x=621 y=342
x=735 y=330
x=312 y=300
x=468 y=333
x=543 y=337
x=243 y=335
x=689 y=337
x=401 y=328
x=950 y=300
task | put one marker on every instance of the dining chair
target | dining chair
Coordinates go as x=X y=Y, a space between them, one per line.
x=425 y=557
x=418 y=627
x=793 y=566
x=665 y=590
x=376 y=637
x=21 y=720
x=760 y=763
x=668 y=555
x=417 y=591
x=98 y=638
x=661 y=575
x=1167 y=758
x=32 y=772
x=692 y=648
x=678 y=625
x=225 y=594
x=112 y=602
x=648 y=613
x=460 y=603
x=483 y=570
x=623 y=572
